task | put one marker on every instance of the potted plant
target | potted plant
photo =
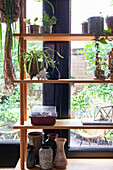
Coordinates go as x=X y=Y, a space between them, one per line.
x=85 y=27
x=33 y=60
x=32 y=28
x=47 y=23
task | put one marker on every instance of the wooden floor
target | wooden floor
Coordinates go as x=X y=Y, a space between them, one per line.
x=85 y=164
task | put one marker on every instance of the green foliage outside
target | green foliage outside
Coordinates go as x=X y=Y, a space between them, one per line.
x=10 y=105
x=82 y=102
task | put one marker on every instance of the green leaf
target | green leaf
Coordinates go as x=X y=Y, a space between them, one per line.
x=109 y=31
x=103 y=41
x=36 y=19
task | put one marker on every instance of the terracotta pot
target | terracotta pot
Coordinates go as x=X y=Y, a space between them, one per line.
x=109 y=22
x=45 y=157
x=46 y=29
x=51 y=142
x=35 y=139
x=60 y=161
x=33 y=70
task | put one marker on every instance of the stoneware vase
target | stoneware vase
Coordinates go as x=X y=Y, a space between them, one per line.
x=35 y=139
x=30 y=157
x=60 y=161
x=51 y=142
x=45 y=157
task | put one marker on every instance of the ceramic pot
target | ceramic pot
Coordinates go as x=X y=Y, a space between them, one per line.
x=46 y=29
x=34 y=29
x=95 y=25
x=53 y=73
x=30 y=157
x=35 y=139
x=33 y=69
x=60 y=161
x=85 y=27
x=51 y=142
x=45 y=157
x=109 y=22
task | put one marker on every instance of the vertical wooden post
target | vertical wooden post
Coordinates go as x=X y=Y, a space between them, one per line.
x=22 y=132
x=25 y=88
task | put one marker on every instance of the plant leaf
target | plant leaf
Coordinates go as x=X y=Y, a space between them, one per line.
x=103 y=41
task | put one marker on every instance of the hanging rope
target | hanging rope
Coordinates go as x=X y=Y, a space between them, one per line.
x=9 y=13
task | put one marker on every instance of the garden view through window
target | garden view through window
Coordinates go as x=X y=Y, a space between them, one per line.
x=89 y=100
x=10 y=105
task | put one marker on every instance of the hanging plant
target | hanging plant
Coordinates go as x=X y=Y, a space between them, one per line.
x=9 y=13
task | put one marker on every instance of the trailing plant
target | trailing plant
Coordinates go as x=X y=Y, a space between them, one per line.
x=9 y=13
x=89 y=51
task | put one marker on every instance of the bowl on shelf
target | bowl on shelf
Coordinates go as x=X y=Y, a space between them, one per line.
x=43 y=115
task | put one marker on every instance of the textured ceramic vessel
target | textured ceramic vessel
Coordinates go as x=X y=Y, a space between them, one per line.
x=35 y=139
x=30 y=157
x=51 y=142
x=60 y=161
x=45 y=157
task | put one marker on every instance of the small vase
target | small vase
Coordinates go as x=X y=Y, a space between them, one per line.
x=51 y=142
x=35 y=139
x=45 y=157
x=30 y=158
x=53 y=73
x=60 y=161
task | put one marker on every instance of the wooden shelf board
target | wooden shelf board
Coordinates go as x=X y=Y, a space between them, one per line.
x=57 y=37
x=64 y=81
x=83 y=164
x=62 y=124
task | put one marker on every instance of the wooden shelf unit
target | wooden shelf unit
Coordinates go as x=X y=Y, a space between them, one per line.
x=23 y=125
x=57 y=37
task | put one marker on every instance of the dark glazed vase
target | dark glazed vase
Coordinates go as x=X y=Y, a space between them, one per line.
x=30 y=158
x=35 y=139
x=53 y=73
x=51 y=142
